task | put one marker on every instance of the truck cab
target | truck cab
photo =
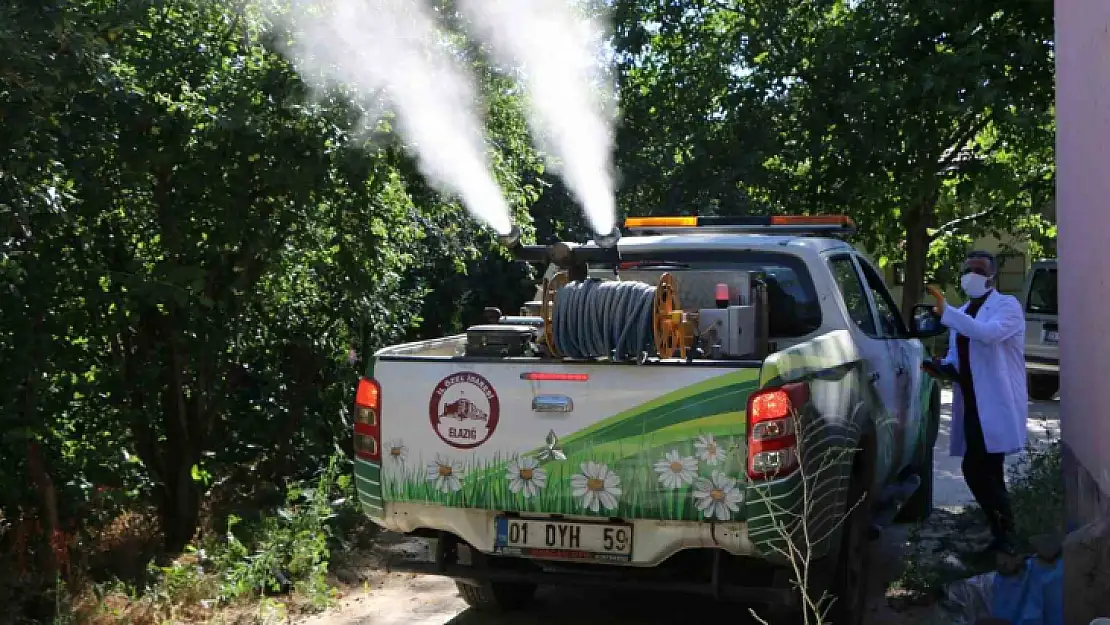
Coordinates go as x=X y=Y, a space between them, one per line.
x=674 y=411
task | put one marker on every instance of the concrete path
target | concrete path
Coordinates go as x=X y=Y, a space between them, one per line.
x=949 y=488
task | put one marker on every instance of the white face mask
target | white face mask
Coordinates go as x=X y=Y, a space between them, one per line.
x=974 y=285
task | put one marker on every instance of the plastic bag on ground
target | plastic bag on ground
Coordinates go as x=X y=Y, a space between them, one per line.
x=968 y=600
x=1033 y=596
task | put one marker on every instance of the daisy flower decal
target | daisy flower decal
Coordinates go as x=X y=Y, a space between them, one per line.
x=675 y=471
x=446 y=475
x=525 y=476
x=597 y=486
x=396 y=451
x=709 y=450
x=717 y=497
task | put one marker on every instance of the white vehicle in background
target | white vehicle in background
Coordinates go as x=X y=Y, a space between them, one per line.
x=1042 y=331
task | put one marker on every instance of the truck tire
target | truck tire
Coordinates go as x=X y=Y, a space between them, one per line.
x=920 y=505
x=496 y=596
x=1043 y=387
x=843 y=576
x=852 y=569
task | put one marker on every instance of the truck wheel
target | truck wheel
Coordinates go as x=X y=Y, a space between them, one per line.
x=1043 y=387
x=843 y=576
x=852 y=570
x=920 y=505
x=496 y=596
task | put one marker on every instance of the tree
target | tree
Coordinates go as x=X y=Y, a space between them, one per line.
x=917 y=118
x=210 y=241
x=695 y=128
x=909 y=111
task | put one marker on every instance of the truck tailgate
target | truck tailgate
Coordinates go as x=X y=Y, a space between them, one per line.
x=637 y=442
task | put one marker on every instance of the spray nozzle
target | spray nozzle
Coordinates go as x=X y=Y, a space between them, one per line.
x=608 y=240
x=511 y=239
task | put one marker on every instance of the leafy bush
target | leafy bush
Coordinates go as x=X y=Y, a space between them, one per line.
x=288 y=551
x=947 y=546
x=1037 y=490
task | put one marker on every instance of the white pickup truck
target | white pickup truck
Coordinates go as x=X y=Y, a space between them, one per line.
x=777 y=390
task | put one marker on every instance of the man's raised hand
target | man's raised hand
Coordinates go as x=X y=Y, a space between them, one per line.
x=941 y=304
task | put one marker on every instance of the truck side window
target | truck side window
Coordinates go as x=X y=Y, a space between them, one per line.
x=889 y=318
x=851 y=289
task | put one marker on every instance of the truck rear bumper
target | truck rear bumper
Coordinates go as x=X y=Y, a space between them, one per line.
x=1041 y=365
x=653 y=541
x=714 y=573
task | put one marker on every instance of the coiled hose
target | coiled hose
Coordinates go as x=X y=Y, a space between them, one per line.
x=595 y=319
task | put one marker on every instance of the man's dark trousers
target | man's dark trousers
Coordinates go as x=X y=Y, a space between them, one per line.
x=984 y=472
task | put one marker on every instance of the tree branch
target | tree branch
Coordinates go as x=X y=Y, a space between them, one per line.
x=955 y=224
x=961 y=137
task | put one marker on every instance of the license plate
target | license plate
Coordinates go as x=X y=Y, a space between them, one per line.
x=1051 y=336
x=561 y=540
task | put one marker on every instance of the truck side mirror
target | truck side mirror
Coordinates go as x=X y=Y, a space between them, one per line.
x=926 y=323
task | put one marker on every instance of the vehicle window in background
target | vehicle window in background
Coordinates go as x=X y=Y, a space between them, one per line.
x=794 y=310
x=851 y=289
x=1042 y=293
x=889 y=317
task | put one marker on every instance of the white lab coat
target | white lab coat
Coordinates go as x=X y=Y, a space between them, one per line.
x=997 y=356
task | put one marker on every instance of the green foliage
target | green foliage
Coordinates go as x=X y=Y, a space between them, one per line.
x=194 y=244
x=1037 y=491
x=290 y=547
x=948 y=546
x=924 y=120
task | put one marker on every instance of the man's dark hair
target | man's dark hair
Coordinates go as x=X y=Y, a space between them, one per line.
x=988 y=256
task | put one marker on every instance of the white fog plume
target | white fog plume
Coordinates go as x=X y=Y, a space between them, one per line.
x=559 y=52
x=393 y=49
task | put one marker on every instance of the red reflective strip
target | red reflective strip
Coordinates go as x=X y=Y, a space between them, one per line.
x=366 y=429
x=535 y=376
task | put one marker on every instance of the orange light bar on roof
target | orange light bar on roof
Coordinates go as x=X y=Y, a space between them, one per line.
x=747 y=223
x=815 y=220
x=661 y=222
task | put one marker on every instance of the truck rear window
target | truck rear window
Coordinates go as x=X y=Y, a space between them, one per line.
x=792 y=298
x=1042 y=293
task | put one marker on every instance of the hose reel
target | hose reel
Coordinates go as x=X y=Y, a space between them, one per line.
x=588 y=319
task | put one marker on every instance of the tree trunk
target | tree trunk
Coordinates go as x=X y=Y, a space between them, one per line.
x=180 y=507
x=53 y=558
x=917 y=252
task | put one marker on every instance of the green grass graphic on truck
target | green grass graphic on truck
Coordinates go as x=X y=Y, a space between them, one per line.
x=681 y=456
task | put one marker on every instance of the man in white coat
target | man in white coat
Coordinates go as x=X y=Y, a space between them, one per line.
x=990 y=405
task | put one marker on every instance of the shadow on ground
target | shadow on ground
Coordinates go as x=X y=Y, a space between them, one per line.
x=602 y=607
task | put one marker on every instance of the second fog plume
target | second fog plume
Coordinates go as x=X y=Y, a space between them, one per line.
x=393 y=48
x=559 y=52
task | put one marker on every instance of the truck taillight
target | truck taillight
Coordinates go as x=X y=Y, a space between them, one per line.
x=368 y=427
x=772 y=439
